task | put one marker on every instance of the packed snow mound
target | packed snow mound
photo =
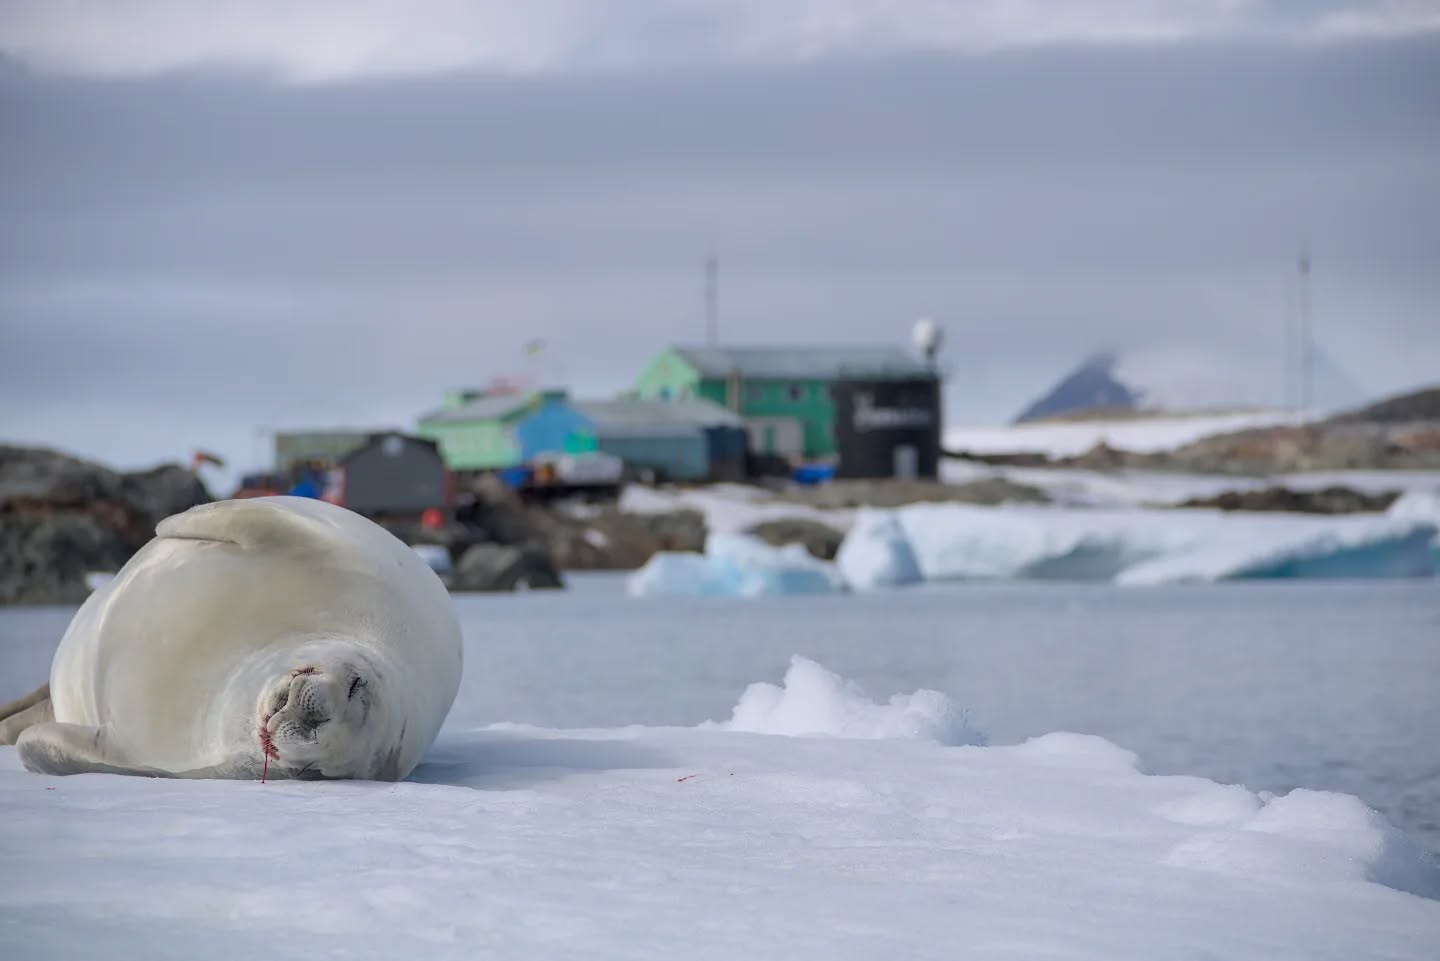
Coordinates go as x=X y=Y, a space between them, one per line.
x=735 y=565
x=876 y=553
x=1138 y=546
x=1084 y=751
x=1335 y=836
x=816 y=702
x=1422 y=505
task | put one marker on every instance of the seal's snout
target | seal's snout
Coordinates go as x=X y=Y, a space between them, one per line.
x=298 y=706
x=312 y=719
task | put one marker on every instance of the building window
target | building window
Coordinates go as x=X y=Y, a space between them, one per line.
x=755 y=393
x=795 y=392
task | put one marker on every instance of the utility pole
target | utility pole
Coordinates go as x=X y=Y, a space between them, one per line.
x=1287 y=350
x=1307 y=361
x=712 y=301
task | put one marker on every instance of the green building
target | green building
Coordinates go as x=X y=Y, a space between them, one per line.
x=784 y=393
x=476 y=430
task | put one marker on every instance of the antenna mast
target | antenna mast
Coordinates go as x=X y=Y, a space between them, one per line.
x=712 y=299
x=1307 y=360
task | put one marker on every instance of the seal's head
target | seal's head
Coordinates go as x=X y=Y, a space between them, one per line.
x=322 y=719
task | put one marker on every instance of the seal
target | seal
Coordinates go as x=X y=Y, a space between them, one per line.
x=272 y=636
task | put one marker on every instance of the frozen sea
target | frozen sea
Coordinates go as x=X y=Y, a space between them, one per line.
x=1272 y=685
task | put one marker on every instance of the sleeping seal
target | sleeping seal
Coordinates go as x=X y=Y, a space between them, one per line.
x=274 y=636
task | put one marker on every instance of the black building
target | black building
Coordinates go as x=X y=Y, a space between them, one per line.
x=887 y=428
x=394 y=475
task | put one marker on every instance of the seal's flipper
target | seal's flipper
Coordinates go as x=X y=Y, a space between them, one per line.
x=55 y=748
x=292 y=526
x=33 y=708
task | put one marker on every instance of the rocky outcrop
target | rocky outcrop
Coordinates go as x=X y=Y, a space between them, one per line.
x=62 y=517
x=1330 y=500
x=496 y=567
x=819 y=539
x=844 y=494
x=1411 y=408
x=1283 y=450
x=574 y=536
x=611 y=540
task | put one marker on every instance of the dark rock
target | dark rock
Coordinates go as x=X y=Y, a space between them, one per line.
x=609 y=539
x=1101 y=457
x=1002 y=458
x=44 y=558
x=163 y=491
x=844 y=494
x=819 y=539
x=1330 y=500
x=497 y=567
x=62 y=517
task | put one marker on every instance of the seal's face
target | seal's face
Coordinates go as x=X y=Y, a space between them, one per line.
x=312 y=722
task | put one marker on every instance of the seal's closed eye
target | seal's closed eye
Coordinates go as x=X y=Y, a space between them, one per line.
x=355 y=685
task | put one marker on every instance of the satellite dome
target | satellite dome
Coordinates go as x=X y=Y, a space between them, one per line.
x=927 y=335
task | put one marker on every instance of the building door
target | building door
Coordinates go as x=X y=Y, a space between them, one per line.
x=907 y=461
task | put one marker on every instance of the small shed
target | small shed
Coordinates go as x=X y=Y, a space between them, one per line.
x=394 y=474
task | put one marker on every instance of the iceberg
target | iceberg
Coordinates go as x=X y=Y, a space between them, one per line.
x=1144 y=546
x=1420 y=505
x=876 y=553
x=1129 y=546
x=735 y=565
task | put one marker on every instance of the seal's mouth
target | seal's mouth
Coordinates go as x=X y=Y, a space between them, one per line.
x=267 y=740
x=267 y=743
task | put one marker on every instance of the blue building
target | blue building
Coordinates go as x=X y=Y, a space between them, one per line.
x=684 y=439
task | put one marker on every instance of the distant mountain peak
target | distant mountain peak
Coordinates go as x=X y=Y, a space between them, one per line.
x=1092 y=386
x=1186 y=380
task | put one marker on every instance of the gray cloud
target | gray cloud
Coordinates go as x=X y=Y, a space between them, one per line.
x=186 y=257
x=326 y=42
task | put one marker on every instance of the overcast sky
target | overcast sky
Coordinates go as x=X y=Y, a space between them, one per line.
x=221 y=218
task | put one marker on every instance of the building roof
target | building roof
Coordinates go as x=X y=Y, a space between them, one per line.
x=379 y=437
x=671 y=418
x=804 y=363
x=497 y=407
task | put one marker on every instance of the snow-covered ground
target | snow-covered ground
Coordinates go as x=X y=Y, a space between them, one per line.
x=1139 y=434
x=733 y=508
x=728 y=508
x=1136 y=488
x=812 y=821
